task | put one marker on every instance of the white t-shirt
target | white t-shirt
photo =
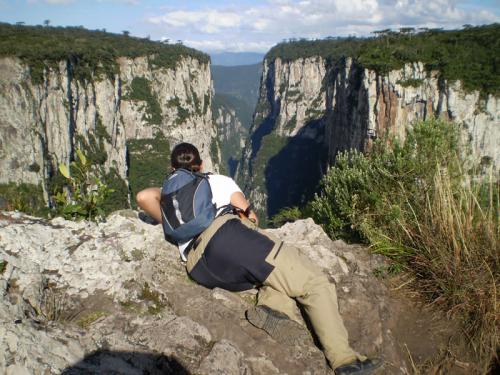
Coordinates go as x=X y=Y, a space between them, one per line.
x=222 y=189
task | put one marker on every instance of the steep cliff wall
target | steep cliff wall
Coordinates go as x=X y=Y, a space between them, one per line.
x=286 y=152
x=43 y=123
x=231 y=134
x=309 y=109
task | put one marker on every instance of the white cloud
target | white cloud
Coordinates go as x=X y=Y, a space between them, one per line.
x=260 y=24
x=210 y=21
x=230 y=46
x=273 y=20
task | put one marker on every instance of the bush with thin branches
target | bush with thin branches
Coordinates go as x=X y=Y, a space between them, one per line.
x=425 y=205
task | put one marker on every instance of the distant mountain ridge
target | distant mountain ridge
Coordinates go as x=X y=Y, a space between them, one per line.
x=241 y=82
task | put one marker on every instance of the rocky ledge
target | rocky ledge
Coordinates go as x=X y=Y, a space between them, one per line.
x=113 y=297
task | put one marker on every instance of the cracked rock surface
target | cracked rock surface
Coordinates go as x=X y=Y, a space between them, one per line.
x=113 y=297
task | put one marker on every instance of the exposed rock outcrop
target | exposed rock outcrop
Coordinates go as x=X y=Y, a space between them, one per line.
x=231 y=135
x=42 y=124
x=79 y=296
x=310 y=109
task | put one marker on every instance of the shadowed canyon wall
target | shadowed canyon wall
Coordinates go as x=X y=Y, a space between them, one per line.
x=310 y=109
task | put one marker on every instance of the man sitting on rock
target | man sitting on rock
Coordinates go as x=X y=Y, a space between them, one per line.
x=233 y=254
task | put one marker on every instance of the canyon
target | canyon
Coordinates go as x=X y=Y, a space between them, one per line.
x=309 y=110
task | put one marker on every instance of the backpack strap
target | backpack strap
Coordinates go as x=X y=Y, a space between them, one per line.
x=227 y=209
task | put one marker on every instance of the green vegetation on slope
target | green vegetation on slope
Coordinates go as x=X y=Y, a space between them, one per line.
x=414 y=203
x=23 y=197
x=89 y=52
x=182 y=113
x=149 y=162
x=140 y=89
x=471 y=55
x=243 y=111
x=272 y=144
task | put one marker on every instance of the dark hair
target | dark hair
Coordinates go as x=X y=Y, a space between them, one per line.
x=186 y=156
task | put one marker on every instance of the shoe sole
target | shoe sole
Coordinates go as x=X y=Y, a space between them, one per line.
x=278 y=326
x=378 y=366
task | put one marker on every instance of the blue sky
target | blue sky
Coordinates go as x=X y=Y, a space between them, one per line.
x=244 y=25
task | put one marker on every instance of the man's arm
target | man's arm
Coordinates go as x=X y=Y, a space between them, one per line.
x=149 y=201
x=238 y=200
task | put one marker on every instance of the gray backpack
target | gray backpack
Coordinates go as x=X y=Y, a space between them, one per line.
x=186 y=205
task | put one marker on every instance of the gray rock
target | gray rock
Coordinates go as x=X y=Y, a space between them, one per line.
x=223 y=359
x=94 y=297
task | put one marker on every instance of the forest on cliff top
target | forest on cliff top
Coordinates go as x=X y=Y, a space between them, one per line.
x=471 y=55
x=92 y=51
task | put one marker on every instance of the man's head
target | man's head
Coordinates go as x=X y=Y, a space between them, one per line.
x=186 y=156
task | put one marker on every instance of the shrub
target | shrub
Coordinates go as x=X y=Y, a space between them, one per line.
x=415 y=203
x=149 y=162
x=85 y=193
x=286 y=215
x=24 y=197
x=140 y=90
x=117 y=198
x=182 y=113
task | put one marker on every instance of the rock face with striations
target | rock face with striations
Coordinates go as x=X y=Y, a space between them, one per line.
x=81 y=297
x=310 y=109
x=41 y=124
x=231 y=135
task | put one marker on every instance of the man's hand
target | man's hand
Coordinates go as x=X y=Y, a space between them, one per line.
x=238 y=200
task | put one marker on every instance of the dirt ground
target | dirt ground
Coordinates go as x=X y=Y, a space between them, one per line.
x=434 y=342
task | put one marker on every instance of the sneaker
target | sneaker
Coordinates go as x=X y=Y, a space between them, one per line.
x=147 y=219
x=368 y=366
x=278 y=325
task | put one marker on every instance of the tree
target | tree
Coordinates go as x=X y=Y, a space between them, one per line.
x=46 y=23
x=126 y=32
x=407 y=31
x=383 y=33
